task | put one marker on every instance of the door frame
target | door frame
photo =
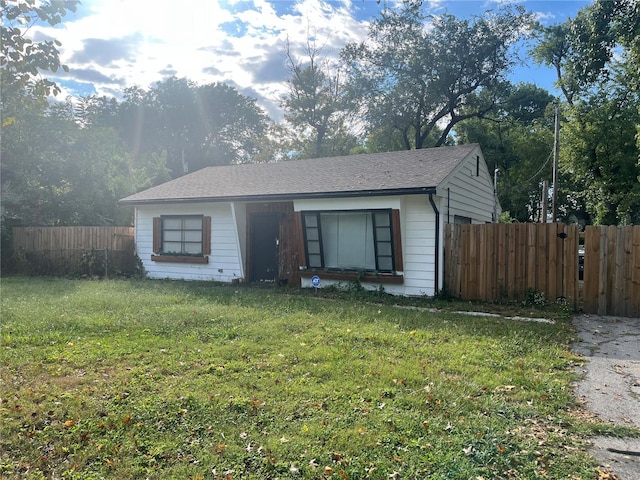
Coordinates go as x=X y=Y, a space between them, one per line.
x=290 y=258
x=251 y=247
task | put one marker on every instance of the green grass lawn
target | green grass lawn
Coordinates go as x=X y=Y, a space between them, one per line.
x=150 y=379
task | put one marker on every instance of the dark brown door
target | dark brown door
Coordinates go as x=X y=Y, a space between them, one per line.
x=265 y=231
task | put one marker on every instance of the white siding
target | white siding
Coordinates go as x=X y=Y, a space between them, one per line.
x=357 y=203
x=467 y=194
x=419 y=238
x=225 y=262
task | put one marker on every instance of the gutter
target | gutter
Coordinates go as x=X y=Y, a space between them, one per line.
x=437 y=272
x=283 y=197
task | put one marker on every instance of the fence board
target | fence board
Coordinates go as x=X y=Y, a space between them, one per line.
x=521 y=272
x=635 y=272
x=531 y=259
x=603 y=272
x=499 y=261
x=570 y=275
x=591 y=271
x=617 y=244
x=483 y=259
x=554 y=252
x=457 y=235
x=471 y=262
x=542 y=249
x=63 y=249
x=612 y=270
x=627 y=267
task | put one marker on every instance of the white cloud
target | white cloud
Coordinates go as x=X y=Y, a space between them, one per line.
x=139 y=42
x=113 y=44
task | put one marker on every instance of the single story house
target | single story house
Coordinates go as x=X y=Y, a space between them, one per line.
x=374 y=218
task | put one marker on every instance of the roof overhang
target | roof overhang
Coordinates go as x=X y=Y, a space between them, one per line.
x=282 y=197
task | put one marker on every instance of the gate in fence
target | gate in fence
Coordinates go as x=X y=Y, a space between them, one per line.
x=612 y=270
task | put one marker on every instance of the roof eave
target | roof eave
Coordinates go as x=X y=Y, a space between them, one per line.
x=282 y=197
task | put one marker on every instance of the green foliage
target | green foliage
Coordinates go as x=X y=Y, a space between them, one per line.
x=93 y=263
x=202 y=125
x=423 y=81
x=596 y=57
x=600 y=154
x=584 y=50
x=505 y=217
x=22 y=59
x=517 y=140
x=55 y=173
x=127 y=379
x=315 y=109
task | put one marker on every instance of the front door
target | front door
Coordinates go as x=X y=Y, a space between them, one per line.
x=264 y=243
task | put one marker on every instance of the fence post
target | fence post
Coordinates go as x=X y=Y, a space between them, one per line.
x=106 y=263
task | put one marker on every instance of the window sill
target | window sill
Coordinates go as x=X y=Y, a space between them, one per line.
x=178 y=259
x=355 y=276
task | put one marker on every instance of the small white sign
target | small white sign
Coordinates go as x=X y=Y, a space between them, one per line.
x=315 y=281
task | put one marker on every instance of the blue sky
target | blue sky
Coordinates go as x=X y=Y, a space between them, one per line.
x=110 y=45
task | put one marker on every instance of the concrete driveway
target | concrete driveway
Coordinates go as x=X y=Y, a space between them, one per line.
x=610 y=386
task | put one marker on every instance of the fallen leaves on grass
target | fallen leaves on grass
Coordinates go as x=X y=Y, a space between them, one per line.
x=605 y=475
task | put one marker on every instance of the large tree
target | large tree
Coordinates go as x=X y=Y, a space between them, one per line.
x=518 y=141
x=315 y=109
x=56 y=173
x=62 y=164
x=21 y=59
x=599 y=153
x=203 y=125
x=596 y=56
x=23 y=89
x=422 y=75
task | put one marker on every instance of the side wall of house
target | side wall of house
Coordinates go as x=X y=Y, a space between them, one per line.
x=225 y=263
x=419 y=241
x=468 y=192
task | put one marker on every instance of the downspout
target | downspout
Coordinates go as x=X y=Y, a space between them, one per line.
x=437 y=272
x=237 y=239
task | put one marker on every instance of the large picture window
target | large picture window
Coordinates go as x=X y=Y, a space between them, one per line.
x=350 y=240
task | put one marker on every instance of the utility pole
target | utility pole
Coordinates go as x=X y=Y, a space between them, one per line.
x=556 y=154
x=495 y=195
x=543 y=200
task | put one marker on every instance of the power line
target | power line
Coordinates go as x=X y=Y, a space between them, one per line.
x=541 y=168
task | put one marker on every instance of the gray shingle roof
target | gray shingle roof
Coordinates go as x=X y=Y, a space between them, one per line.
x=355 y=175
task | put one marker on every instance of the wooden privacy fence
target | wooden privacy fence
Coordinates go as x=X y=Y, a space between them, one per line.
x=513 y=261
x=612 y=271
x=74 y=250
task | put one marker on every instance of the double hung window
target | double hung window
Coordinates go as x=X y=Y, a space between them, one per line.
x=181 y=238
x=350 y=240
x=182 y=235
